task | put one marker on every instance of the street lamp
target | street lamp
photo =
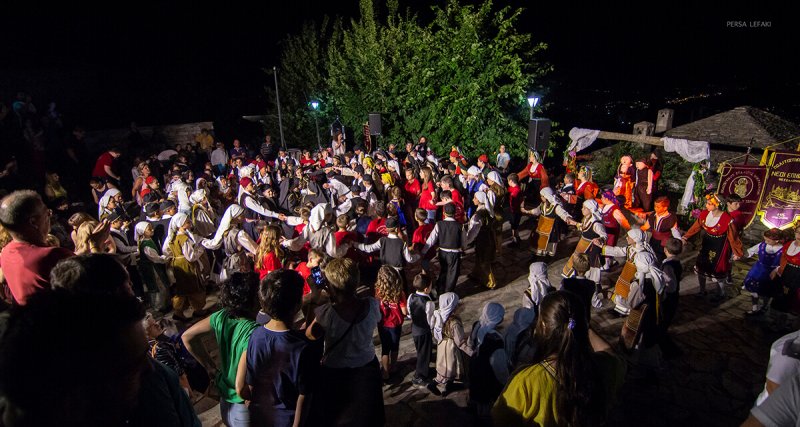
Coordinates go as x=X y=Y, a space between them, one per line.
x=533 y=100
x=315 y=106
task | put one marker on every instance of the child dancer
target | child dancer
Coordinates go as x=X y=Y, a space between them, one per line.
x=758 y=281
x=451 y=342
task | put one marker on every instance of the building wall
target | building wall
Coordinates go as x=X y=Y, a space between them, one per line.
x=169 y=135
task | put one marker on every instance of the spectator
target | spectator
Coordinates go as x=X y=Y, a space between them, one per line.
x=232 y=326
x=104 y=166
x=503 y=159
x=269 y=255
x=98 y=274
x=574 y=378
x=349 y=391
x=219 y=158
x=238 y=152
x=277 y=370
x=26 y=261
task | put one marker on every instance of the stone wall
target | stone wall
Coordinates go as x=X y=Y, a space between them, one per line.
x=169 y=135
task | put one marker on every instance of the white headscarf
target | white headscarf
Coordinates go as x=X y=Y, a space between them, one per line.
x=496 y=178
x=639 y=238
x=594 y=208
x=111 y=192
x=491 y=316
x=233 y=211
x=481 y=196
x=473 y=170
x=447 y=305
x=317 y=218
x=175 y=223
x=523 y=319
x=197 y=196
x=548 y=195
x=139 y=230
x=539 y=283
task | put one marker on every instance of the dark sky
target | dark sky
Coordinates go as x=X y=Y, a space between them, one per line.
x=167 y=62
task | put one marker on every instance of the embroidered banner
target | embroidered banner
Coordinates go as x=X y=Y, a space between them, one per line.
x=780 y=199
x=745 y=181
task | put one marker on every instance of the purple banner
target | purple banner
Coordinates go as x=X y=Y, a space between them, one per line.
x=745 y=181
x=780 y=200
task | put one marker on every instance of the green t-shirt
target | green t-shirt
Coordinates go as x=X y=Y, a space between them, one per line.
x=232 y=335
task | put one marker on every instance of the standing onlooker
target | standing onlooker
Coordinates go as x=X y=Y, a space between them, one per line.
x=104 y=167
x=337 y=143
x=574 y=376
x=26 y=261
x=232 y=326
x=349 y=391
x=503 y=159
x=219 y=158
x=276 y=371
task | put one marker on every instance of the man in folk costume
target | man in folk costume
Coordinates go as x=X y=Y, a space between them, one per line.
x=253 y=209
x=720 y=238
x=638 y=253
x=662 y=226
x=553 y=218
x=203 y=215
x=538 y=178
x=238 y=246
x=451 y=239
x=591 y=228
x=481 y=232
x=185 y=250
x=181 y=191
x=614 y=221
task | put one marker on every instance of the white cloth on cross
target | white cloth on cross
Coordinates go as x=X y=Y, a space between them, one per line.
x=580 y=139
x=691 y=151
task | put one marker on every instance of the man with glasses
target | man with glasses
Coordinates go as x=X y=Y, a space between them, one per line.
x=26 y=261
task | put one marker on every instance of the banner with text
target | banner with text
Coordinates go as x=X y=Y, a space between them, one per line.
x=780 y=199
x=745 y=181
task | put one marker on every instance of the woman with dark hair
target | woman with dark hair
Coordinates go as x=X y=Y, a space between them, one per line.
x=574 y=376
x=232 y=327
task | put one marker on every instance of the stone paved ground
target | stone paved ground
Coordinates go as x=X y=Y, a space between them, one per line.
x=713 y=383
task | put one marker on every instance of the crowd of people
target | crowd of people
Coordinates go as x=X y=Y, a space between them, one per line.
x=315 y=253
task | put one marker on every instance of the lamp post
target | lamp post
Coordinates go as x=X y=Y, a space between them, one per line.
x=315 y=106
x=533 y=100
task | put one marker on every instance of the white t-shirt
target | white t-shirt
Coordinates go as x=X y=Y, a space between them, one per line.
x=356 y=348
x=780 y=368
x=782 y=409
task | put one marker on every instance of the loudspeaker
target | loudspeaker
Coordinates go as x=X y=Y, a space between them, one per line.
x=375 y=123
x=539 y=134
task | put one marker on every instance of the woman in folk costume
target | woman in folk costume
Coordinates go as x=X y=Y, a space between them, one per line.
x=496 y=200
x=637 y=252
x=539 y=285
x=591 y=228
x=318 y=233
x=203 y=216
x=538 y=178
x=586 y=187
x=517 y=333
x=451 y=341
x=489 y=363
x=552 y=207
x=238 y=246
x=152 y=267
x=614 y=221
x=648 y=288
x=184 y=250
x=720 y=239
x=481 y=232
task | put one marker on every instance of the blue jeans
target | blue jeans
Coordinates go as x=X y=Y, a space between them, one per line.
x=234 y=414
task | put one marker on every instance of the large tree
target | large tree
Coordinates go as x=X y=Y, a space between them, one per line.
x=459 y=80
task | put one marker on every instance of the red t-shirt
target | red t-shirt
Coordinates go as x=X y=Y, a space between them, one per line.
x=105 y=159
x=27 y=267
x=514 y=199
x=304 y=272
x=426 y=198
x=271 y=263
x=411 y=192
x=306 y=162
x=392 y=313
x=376 y=229
x=457 y=197
x=419 y=238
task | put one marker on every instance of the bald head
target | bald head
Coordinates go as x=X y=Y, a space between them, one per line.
x=18 y=207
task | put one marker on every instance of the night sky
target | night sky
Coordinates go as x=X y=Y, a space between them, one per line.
x=169 y=62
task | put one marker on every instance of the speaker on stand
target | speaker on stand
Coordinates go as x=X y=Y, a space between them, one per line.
x=539 y=135
x=375 y=127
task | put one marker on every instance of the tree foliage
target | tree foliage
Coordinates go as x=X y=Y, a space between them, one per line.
x=460 y=79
